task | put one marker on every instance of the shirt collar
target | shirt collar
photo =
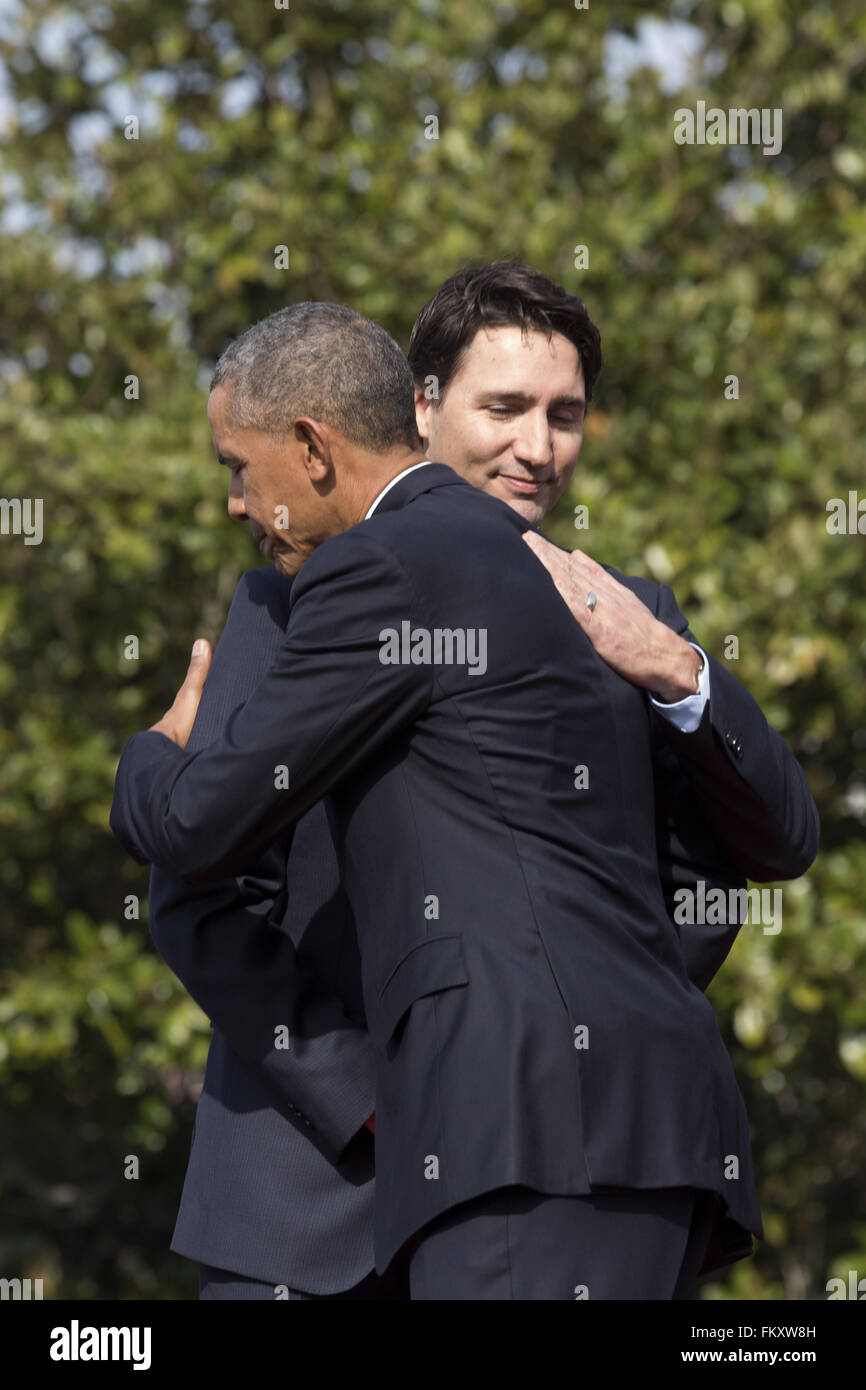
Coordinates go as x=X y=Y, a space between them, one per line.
x=387 y=488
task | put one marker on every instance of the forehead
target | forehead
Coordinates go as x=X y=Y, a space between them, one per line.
x=217 y=405
x=507 y=356
x=230 y=444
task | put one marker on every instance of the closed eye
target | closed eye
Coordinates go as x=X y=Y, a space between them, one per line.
x=503 y=411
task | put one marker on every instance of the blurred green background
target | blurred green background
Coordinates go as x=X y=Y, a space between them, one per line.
x=127 y=264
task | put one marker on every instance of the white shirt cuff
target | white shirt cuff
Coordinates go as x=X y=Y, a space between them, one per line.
x=686 y=714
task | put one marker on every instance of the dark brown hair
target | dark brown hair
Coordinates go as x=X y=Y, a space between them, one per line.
x=499 y=295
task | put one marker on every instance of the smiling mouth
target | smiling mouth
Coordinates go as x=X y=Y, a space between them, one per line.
x=524 y=485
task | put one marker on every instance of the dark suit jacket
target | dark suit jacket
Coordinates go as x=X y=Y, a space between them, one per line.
x=270 y=1191
x=524 y=986
x=279 y=1185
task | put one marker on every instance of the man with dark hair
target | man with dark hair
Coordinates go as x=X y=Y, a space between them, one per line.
x=505 y=363
x=479 y=328
x=504 y=294
x=544 y=1066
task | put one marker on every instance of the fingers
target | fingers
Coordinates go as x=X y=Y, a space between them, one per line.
x=586 y=570
x=196 y=674
x=555 y=561
x=572 y=562
x=584 y=559
x=189 y=694
x=177 y=723
x=540 y=544
x=570 y=587
x=199 y=665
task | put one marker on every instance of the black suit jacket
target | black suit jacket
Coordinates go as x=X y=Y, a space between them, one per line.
x=279 y=1184
x=524 y=986
x=272 y=1191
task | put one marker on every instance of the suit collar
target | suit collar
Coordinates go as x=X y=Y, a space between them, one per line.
x=419 y=480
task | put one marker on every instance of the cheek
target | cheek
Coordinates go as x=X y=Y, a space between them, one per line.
x=270 y=497
x=564 y=475
x=566 y=454
x=486 y=439
x=461 y=433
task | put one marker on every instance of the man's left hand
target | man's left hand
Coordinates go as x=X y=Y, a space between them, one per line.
x=621 y=629
x=177 y=722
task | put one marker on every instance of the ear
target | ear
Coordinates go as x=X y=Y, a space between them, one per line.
x=423 y=407
x=314 y=438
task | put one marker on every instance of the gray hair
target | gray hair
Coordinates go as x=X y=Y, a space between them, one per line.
x=328 y=362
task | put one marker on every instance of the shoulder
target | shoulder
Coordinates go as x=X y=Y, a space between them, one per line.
x=353 y=560
x=265 y=587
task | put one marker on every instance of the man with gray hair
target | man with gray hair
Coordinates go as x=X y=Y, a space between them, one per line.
x=278 y=1195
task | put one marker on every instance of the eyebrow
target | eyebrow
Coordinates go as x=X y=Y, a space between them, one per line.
x=522 y=398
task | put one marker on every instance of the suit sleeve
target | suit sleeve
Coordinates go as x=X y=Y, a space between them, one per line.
x=224 y=941
x=244 y=972
x=688 y=850
x=746 y=781
x=325 y=707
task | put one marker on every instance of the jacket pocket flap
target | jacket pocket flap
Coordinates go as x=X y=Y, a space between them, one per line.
x=435 y=963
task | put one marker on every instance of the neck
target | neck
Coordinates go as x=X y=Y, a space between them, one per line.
x=388 y=466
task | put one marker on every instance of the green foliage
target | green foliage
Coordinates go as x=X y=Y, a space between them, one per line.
x=140 y=257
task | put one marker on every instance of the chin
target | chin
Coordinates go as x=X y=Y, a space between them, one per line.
x=287 y=563
x=527 y=507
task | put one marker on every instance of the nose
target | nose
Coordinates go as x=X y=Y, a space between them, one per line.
x=236 y=508
x=532 y=444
